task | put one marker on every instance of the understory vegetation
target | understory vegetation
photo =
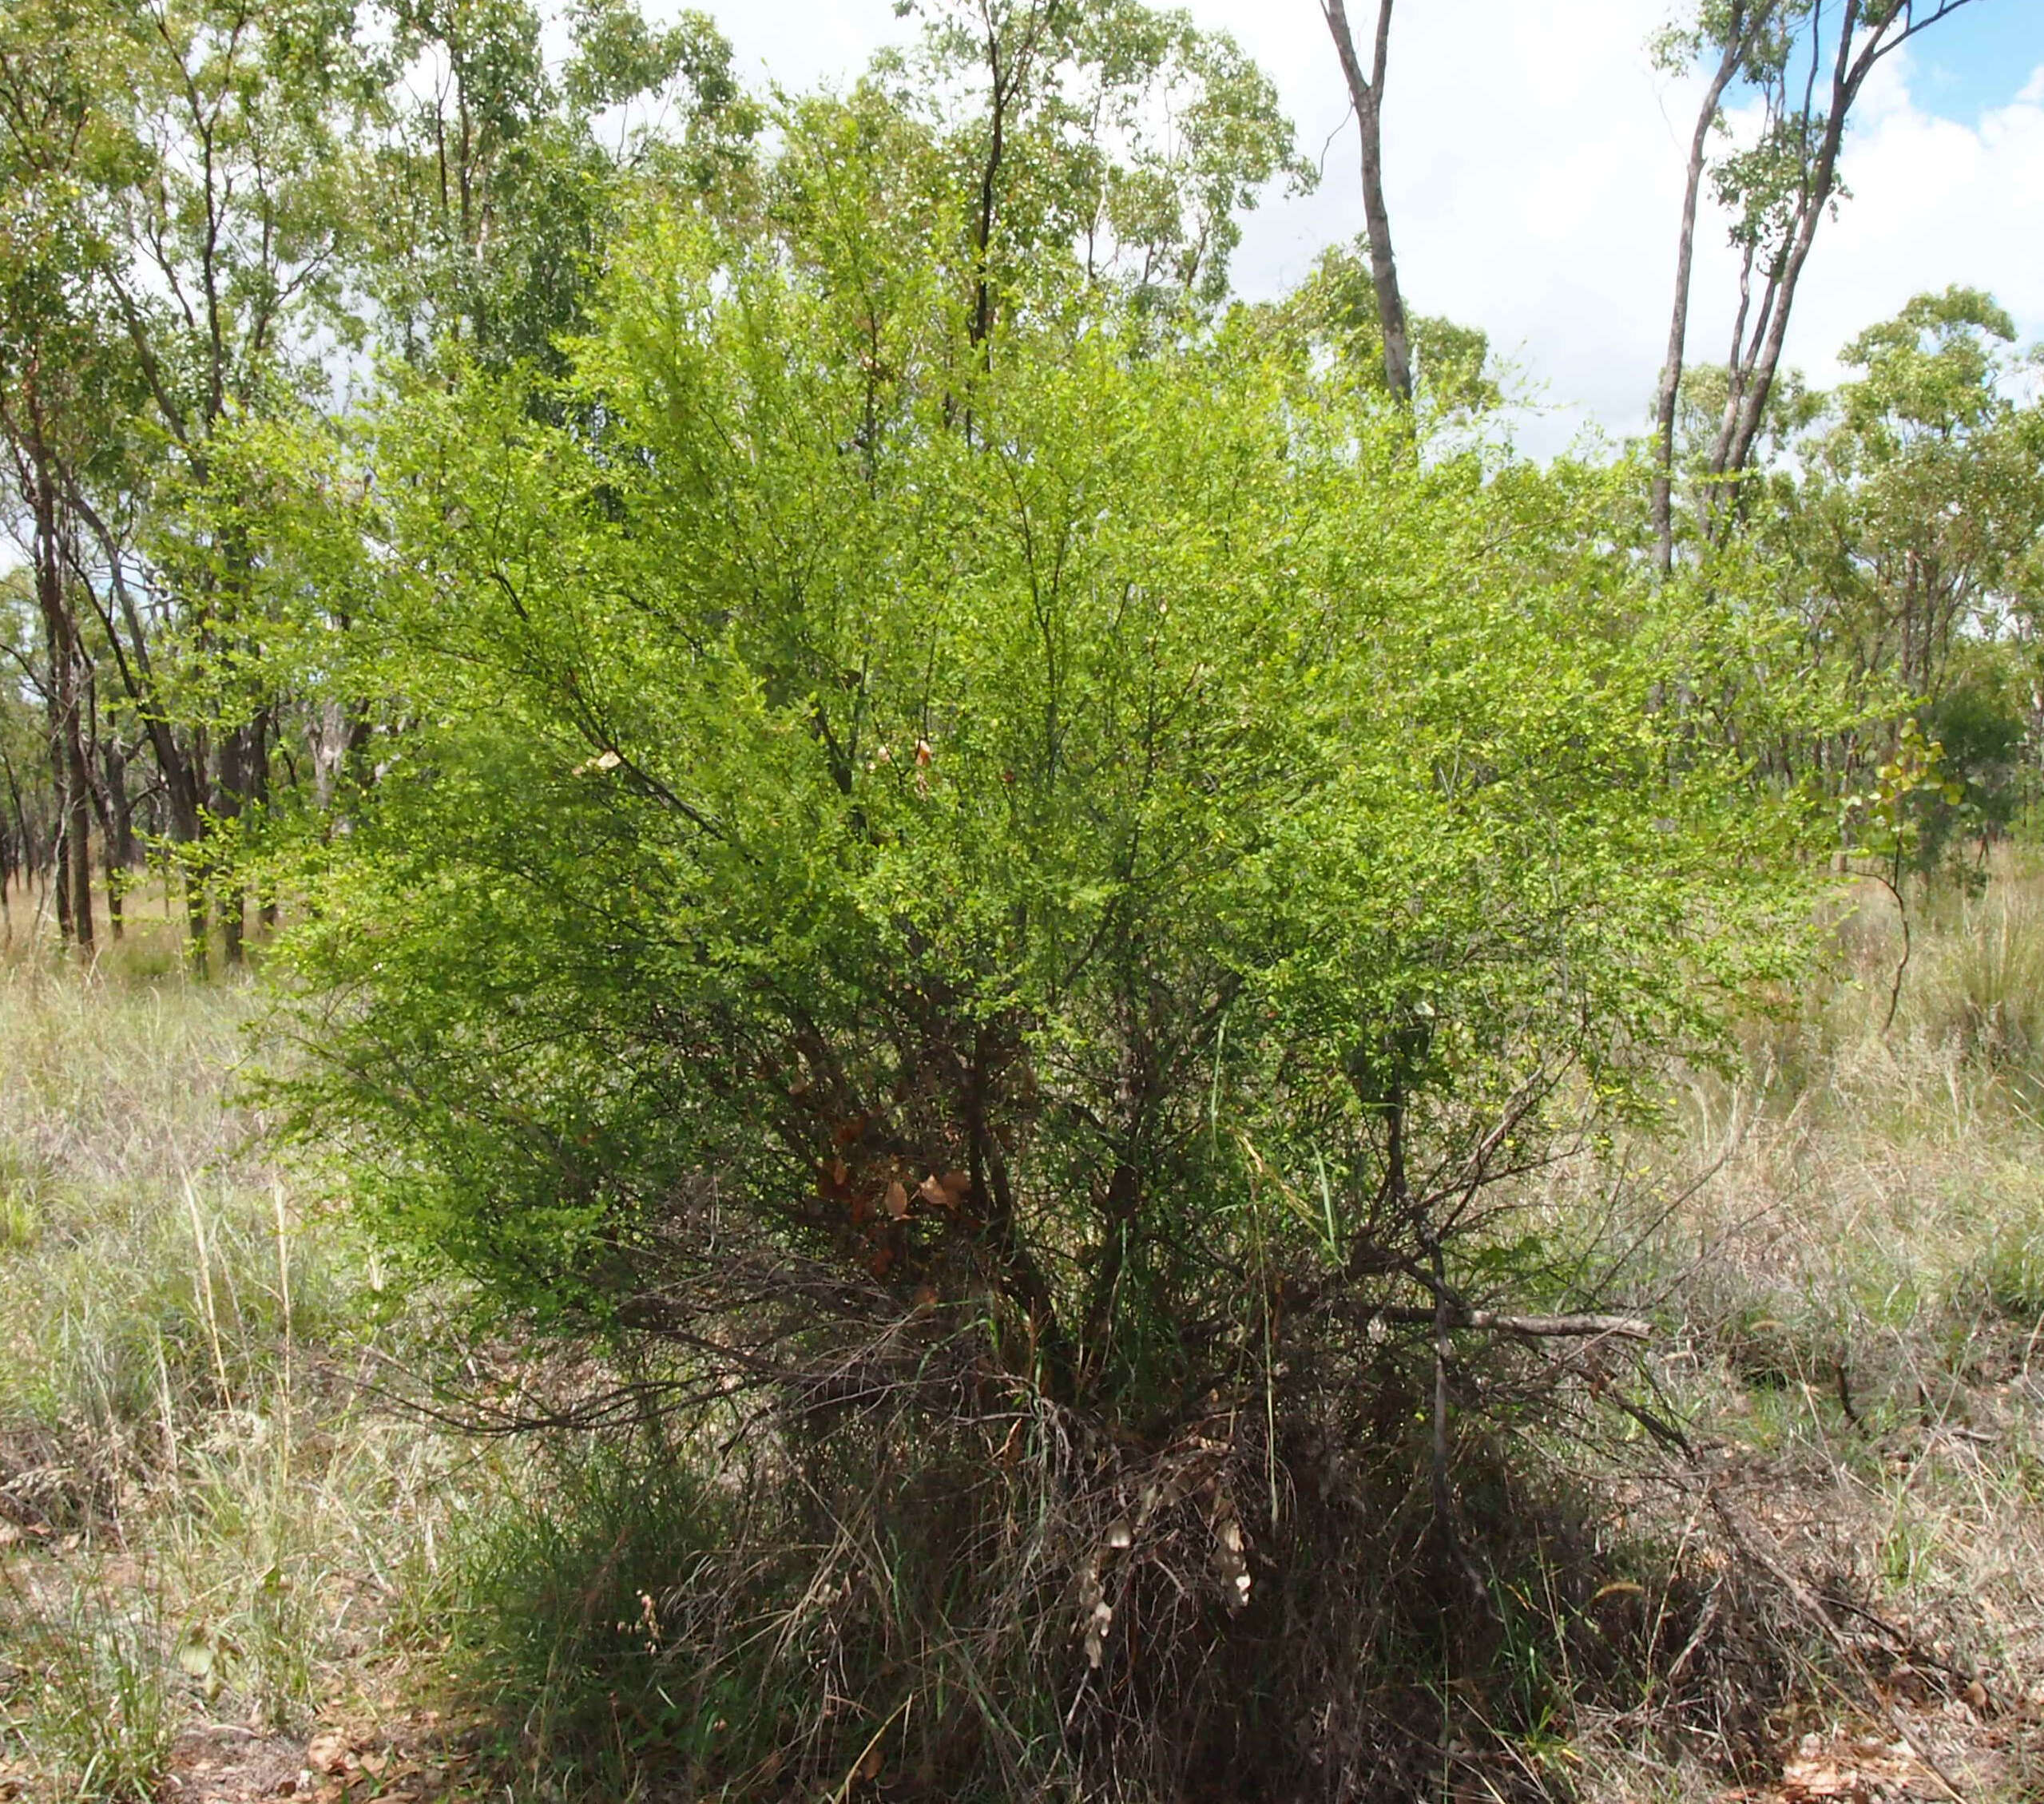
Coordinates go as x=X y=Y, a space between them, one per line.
x=259 y=1525
x=815 y=987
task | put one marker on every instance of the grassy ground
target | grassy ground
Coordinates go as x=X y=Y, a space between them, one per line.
x=226 y=1561
x=206 y=1522
x=1854 y=1294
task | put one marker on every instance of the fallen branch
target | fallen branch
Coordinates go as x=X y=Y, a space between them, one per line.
x=1626 y=1328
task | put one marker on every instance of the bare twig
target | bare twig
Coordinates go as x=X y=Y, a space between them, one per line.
x=1625 y=1327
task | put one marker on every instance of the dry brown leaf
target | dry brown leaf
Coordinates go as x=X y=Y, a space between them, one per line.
x=897 y=1200
x=1823 y=1778
x=328 y=1753
x=1098 y=1621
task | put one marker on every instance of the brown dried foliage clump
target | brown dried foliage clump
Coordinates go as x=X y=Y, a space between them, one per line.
x=910 y=1564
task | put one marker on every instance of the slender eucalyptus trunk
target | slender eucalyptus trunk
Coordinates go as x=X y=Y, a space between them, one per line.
x=182 y=763
x=1678 y=324
x=60 y=839
x=118 y=832
x=259 y=795
x=231 y=789
x=72 y=776
x=24 y=838
x=1860 y=45
x=982 y=326
x=1366 y=94
x=197 y=924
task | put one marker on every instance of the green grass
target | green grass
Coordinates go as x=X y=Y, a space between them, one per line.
x=100 y=1717
x=214 y=1517
x=207 y=1516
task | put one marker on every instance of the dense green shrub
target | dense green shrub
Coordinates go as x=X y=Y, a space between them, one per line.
x=1019 y=898
x=1064 y=840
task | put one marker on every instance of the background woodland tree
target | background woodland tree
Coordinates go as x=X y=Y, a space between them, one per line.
x=217 y=209
x=1809 y=66
x=1365 y=98
x=898 y=839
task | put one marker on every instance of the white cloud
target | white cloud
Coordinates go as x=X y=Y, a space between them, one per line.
x=802 y=43
x=1533 y=160
x=1934 y=202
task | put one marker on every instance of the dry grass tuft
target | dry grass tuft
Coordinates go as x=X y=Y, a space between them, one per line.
x=1856 y=1302
x=202 y=1520
x=218 y=1535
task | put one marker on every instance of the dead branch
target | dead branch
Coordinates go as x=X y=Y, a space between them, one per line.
x=1626 y=1328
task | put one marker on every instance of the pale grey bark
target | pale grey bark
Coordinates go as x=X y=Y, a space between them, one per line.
x=1866 y=34
x=1366 y=92
x=1739 y=25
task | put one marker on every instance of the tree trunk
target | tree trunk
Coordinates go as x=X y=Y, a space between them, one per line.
x=259 y=795
x=183 y=768
x=231 y=791
x=1678 y=324
x=24 y=838
x=68 y=766
x=78 y=833
x=1753 y=375
x=60 y=839
x=1366 y=94
x=197 y=924
x=119 y=833
x=982 y=299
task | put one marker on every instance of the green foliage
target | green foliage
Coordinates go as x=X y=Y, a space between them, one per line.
x=1982 y=722
x=1334 y=312
x=1886 y=820
x=1114 y=129
x=801 y=798
x=497 y=190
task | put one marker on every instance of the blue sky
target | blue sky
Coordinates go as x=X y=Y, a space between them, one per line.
x=1977 y=58
x=1980 y=57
